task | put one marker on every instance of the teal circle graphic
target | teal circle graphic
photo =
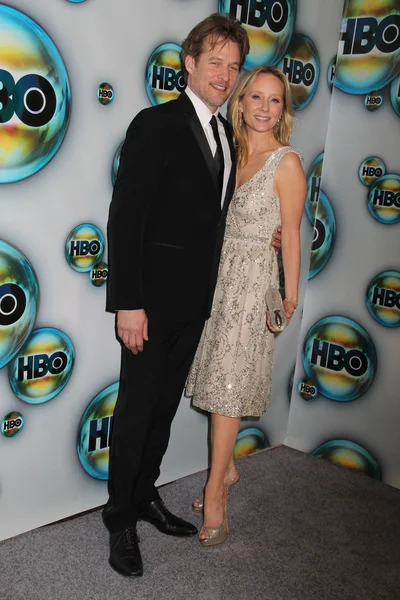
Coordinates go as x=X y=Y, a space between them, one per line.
x=383 y=298
x=269 y=26
x=371 y=169
x=105 y=93
x=302 y=68
x=19 y=295
x=84 y=247
x=93 y=441
x=384 y=199
x=164 y=78
x=324 y=235
x=12 y=424
x=331 y=73
x=43 y=367
x=373 y=101
x=35 y=97
x=99 y=274
x=307 y=389
x=321 y=216
x=313 y=186
x=116 y=162
x=340 y=357
x=351 y=456
x=395 y=95
x=369 y=47
x=250 y=440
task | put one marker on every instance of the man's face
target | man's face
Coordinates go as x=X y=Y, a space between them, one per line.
x=213 y=75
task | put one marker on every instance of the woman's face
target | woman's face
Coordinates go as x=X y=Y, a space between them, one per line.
x=262 y=104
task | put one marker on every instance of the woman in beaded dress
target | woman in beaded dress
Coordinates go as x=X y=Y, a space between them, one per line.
x=232 y=370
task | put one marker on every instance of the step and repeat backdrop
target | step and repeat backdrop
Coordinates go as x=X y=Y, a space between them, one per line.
x=346 y=400
x=72 y=76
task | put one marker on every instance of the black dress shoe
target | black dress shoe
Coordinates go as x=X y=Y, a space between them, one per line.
x=158 y=515
x=125 y=555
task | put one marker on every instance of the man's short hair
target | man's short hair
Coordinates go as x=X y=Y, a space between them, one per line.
x=214 y=28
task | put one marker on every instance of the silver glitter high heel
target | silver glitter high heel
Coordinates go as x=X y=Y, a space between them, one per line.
x=200 y=499
x=216 y=535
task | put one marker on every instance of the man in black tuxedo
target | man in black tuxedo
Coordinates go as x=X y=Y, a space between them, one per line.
x=165 y=232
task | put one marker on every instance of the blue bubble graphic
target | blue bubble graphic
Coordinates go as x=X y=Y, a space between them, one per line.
x=35 y=96
x=324 y=235
x=340 y=357
x=250 y=440
x=301 y=65
x=84 y=247
x=384 y=199
x=351 y=456
x=19 y=295
x=164 y=79
x=269 y=26
x=115 y=164
x=43 y=366
x=383 y=298
x=93 y=440
x=395 y=95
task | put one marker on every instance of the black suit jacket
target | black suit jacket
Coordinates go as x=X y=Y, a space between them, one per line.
x=166 y=225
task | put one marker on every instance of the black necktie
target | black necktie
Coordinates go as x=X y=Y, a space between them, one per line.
x=219 y=155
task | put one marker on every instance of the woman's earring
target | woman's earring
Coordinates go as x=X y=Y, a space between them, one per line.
x=240 y=118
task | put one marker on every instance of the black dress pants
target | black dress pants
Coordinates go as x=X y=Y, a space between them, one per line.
x=151 y=385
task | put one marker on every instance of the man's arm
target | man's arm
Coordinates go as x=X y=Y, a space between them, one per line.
x=142 y=157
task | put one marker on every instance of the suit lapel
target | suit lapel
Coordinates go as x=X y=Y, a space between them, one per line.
x=195 y=125
x=230 y=188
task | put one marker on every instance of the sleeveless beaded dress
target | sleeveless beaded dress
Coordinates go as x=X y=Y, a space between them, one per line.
x=231 y=373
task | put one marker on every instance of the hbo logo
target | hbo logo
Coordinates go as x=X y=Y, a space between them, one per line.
x=39 y=365
x=386 y=298
x=165 y=78
x=99 y=274
x=372 y=172
x=308 y=389
x=32 y=99
x=363 y=34
x=99 y=434
x=105 y=93
x=315 y=187
x=298 y=73
x=257 y=12
x=386 y=198
x=336 y=358
x=83 y=247
x=7 y=425
x=374 y=100
x=12 y=303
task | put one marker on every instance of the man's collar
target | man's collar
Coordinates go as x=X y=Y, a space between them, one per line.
x=203 y=112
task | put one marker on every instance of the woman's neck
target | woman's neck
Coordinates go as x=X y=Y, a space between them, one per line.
x=261 y=143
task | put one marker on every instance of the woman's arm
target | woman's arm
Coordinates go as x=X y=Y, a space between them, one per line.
x=291 y=188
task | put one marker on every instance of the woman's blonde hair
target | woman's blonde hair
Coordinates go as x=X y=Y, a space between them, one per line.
x=282 y=130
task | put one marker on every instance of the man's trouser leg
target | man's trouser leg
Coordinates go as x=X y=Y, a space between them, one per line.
x=151 y=386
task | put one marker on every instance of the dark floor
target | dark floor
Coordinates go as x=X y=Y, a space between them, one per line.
x=301 y=529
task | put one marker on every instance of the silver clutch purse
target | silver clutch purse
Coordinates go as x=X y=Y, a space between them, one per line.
x=276 y=311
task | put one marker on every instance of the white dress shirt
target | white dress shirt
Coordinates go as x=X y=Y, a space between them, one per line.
x=204 y=115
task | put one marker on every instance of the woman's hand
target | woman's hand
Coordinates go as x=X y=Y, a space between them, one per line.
x=289 y=307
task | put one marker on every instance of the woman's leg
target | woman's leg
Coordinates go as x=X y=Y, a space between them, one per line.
x=224 y=431
x=232 y=474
